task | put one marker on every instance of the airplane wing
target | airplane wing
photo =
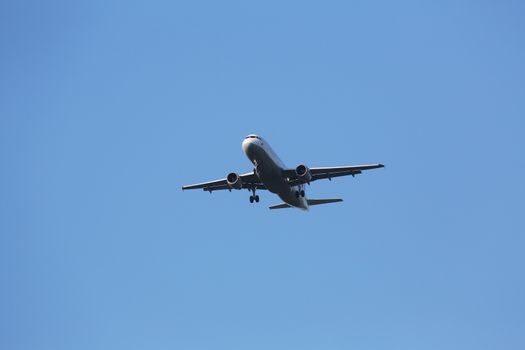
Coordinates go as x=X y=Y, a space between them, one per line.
x=330 y=172
x=249 y=180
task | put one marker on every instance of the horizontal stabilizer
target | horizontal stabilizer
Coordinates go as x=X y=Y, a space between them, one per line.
x=280 y=206
x=310 y=202
x=323 y=201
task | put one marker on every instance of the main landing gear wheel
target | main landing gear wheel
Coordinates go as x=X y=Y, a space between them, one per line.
x=299 y=193
x=254 y=197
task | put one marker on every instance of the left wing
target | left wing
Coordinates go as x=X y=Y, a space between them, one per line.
x=249 y=180
x=330 y=172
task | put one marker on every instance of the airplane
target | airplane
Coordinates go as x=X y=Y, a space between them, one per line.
x=271 y=174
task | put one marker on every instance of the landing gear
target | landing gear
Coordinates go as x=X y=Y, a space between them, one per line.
x=299 y=193
x=254 y=197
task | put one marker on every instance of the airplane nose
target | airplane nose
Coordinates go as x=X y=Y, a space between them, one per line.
x=249 y=147
x=246 y=145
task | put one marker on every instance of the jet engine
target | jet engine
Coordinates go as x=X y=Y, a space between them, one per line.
x=303 y=173
x=234 y=181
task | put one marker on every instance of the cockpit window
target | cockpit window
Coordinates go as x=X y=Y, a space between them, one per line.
x=252 y=137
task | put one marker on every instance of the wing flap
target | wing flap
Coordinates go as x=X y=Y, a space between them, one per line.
x=226 y=187
x=208 y=184
x=326 y=176
x=319 y=173
x=337 y=169
x=248 y=181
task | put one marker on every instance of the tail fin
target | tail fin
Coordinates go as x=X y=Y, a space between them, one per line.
x=323 y=201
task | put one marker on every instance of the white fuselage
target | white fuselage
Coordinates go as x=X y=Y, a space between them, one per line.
x=269 y=168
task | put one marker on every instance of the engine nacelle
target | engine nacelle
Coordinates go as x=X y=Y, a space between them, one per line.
x=303 y=173
x=234 y=181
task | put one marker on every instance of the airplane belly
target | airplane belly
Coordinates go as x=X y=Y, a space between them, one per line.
x=289 y=197
x=272 y=180
x=268 y=172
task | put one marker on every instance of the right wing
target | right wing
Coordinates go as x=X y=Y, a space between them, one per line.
x=319 y=173
x=329 y=172
x=249 y=180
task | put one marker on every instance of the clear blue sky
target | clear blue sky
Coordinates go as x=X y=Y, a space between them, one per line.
x=107 y=108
